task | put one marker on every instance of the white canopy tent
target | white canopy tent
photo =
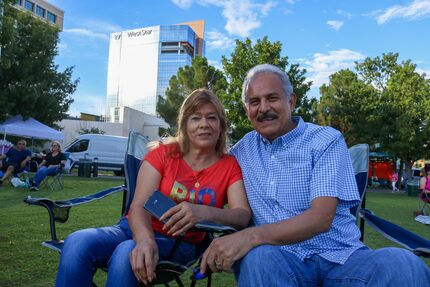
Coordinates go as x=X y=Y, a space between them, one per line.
x=30 y=128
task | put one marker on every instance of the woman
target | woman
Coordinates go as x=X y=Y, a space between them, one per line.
x=192 y=169
x=425 y=184
x=50 y=165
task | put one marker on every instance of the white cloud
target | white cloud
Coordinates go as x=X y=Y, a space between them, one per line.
x=424 y=71
x=92 y=29
x=323 y=65
x=217 y=40
x=215 y=64
x=83 y=32
x=184 y=4
x=336 y=25
x=344 y=13
x=242 y=16
x=418 y=9
x=101 y=26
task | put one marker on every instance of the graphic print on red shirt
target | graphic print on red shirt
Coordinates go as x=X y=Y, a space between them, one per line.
x=179 y=182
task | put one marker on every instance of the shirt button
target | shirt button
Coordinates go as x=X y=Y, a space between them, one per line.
x=272 y=182
x=272 y=157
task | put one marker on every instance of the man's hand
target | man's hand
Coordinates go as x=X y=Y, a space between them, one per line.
x=182 y=217
x=144 y=259
x=224 y=251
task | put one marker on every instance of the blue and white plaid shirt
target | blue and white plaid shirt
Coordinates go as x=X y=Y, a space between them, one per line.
x=283 y=177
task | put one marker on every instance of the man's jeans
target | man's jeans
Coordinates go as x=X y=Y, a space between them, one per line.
x=87 y=249
x=44 y=172
x=269 y=265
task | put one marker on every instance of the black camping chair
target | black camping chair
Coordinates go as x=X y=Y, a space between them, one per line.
x=56 y=181
x=58 y=210
x=411 y=241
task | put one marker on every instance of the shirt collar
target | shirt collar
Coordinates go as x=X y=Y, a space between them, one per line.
x=289 y=136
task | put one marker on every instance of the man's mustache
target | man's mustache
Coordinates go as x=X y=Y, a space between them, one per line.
x=266 y=116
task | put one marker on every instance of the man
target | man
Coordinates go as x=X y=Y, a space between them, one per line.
x=14 y=160
x=300 y=185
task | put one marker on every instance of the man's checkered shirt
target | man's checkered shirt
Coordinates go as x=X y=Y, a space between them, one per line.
x=283 y=177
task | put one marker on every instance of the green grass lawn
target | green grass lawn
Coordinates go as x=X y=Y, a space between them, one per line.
x=25 y=262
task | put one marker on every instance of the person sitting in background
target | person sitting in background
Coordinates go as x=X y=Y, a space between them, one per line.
x=14 y=160
x=425 y=182
x=50 y=165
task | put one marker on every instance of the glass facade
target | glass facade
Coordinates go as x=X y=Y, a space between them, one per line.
x=40 y=11
x=52 y=17
x=29 y=5
x=176 y=50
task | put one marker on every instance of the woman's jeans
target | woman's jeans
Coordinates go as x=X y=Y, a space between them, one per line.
x=44 y=172
x=269 y=265
x=88 y=249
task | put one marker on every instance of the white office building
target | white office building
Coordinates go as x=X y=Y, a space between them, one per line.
x=142 y=61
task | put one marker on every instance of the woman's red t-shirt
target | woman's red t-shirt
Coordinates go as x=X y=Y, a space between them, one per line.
x=178 y=181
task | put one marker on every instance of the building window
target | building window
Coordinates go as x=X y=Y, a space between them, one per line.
x=19 y=2
x=40 y=11
x=169 y=52
x=29 y=5
x=52 y=17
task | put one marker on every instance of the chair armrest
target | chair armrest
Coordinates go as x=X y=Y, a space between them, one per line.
x=213 y=227
x=58 y=210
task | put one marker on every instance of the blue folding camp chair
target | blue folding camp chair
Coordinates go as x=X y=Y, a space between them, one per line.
x=56 y=181
x=417 y=244
x=58 y=210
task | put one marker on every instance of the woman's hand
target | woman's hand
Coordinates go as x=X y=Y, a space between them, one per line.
x=144 y=259
x=182 y=217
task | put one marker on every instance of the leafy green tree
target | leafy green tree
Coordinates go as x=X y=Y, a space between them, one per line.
x=405 y=106
x=199 y=75
x=30 y=84
x=349 y=105
x=245 y=56
x=385 y=103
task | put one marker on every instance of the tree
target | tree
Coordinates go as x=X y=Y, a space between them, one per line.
x=246 y=56
x=385 y=103
x=30 y=84
x=199 y=75
x=349 y=105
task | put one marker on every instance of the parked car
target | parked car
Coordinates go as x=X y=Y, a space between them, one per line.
x=108 y=151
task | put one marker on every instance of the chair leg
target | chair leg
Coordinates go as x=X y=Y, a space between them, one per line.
x=209 y=280
x=178 y=281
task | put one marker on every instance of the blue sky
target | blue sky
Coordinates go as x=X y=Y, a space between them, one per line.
x=323 y=36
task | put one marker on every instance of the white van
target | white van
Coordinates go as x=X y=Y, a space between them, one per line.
x=108 y=151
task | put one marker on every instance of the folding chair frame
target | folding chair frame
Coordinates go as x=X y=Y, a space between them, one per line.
x=424 y=203
x=54 y=182
x=413 y=242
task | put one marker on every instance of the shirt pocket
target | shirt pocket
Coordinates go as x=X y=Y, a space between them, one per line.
x=293 y=188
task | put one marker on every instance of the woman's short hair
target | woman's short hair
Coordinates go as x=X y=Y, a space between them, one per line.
x=426 y=168
x=190 y=105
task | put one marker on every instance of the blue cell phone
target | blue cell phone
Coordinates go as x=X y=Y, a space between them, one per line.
x=158 y=203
